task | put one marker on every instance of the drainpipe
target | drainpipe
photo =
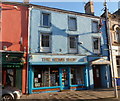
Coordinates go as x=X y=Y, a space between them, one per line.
x=110 y=48
x=29 y=38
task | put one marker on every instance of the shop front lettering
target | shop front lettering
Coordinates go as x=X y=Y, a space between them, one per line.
x=11 y=59
x=46 y=59
x=59 y=59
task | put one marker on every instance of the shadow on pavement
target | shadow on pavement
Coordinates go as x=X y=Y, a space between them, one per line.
x=104 y=99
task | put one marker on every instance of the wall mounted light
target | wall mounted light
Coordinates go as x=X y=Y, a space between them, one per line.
x=21 y=40
x=15 y=7
x=80 y=42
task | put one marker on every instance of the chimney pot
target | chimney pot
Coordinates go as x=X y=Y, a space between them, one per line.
x=26 y=1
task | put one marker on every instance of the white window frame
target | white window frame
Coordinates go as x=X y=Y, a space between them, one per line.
x=49 y=19
x=69 y=18
x=73 y=50
x=93 y=30
x=45 y=49
x=96 y=51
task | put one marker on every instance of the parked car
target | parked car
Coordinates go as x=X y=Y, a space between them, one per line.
x=10 y=93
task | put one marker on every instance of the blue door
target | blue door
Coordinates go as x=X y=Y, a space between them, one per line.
x=64 y=79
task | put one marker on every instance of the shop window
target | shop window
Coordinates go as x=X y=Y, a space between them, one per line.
x=95 y=26
x=72 y=24
x=46 y=77
x=73 y=44
x=45 y=19
x=96 y=45
x=77 y=75
x=45 y=42
x=118 y=65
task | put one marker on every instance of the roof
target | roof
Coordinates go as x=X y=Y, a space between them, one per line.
x=51 y=9
x=117 y=12
x=63 y=11
x=16 y=3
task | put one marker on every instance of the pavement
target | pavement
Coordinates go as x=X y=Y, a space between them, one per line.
x=71 y=95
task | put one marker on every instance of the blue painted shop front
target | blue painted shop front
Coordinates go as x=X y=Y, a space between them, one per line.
x=57 y=76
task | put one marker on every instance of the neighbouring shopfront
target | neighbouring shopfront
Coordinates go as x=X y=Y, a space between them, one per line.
x=57 y=73
x=12 y=64
x=101 y=73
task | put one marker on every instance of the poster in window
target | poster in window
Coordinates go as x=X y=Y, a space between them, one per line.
x=37 y=84
x=52 y=79
x=46 y=78
x=36 y=79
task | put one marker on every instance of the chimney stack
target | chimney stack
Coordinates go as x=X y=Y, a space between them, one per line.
x=26 y=1
x=89 y=8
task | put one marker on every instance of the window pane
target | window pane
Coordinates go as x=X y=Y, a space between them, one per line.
x=118 y=70
x=118 y=60
x=118 y=65
x=95 y=26
x=118 y=35
x=46 y=76
x=45 y=19
x=77 y=75
x=73 y=42
x=72 y=24
x=96 y=43
x=45 y=40
x=54 y=77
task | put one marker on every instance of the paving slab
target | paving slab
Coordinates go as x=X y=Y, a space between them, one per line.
x=83 y=95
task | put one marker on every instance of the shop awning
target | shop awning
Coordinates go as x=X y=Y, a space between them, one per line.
x=58 y=63
x=100 y=62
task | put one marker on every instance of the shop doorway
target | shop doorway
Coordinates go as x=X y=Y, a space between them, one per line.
x=96 y=76
x=9 y=77
x=65 y=78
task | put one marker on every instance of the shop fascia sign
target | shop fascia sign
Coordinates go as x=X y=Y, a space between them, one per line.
x=59 y=59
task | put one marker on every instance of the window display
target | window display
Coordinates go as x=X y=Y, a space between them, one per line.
x=46 y=76
x=77 y=75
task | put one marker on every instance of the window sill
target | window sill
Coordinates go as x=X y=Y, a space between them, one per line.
x=96 y=32
x=45 y=26
x=72 y=29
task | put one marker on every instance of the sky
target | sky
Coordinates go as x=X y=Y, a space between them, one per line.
x=79 y=6
x=76 y=5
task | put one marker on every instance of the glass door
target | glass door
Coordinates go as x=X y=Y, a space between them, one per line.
x=65 y=78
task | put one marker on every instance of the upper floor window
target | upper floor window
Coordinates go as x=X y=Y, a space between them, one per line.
x=95 y=26
x=72 y=24
x=73 y=40
x=96 y=45
x=45 y=42
x=45 y=19
x=118 y=65
x=117 y=35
